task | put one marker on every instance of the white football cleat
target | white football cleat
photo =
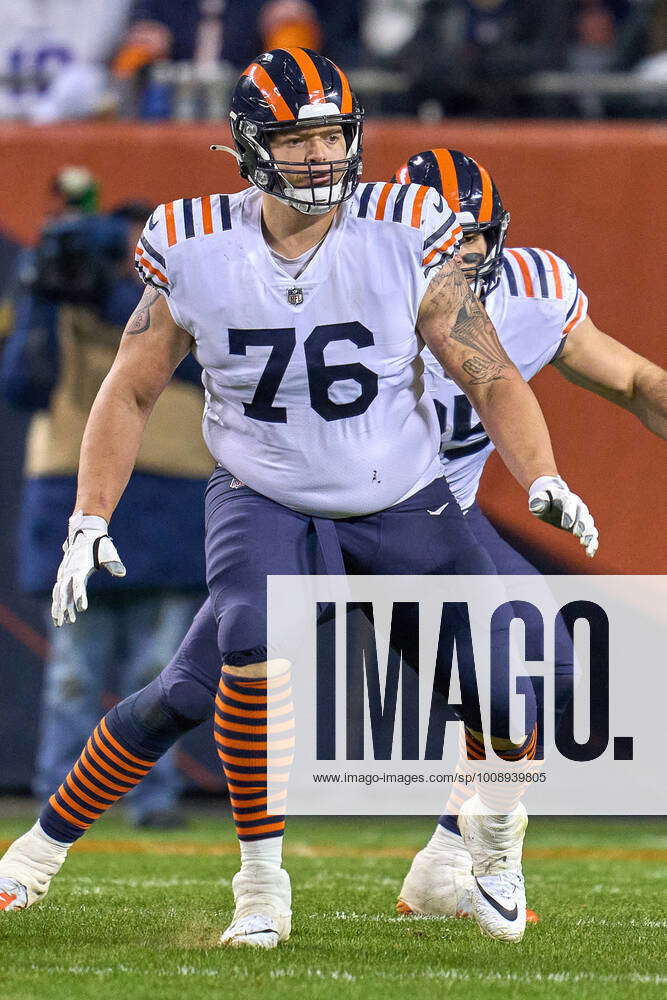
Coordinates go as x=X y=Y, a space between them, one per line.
x=263 y=915
x=495 y=842
x=440 y=880
x=27 y=867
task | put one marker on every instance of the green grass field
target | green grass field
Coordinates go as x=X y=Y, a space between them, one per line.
x=136 y=916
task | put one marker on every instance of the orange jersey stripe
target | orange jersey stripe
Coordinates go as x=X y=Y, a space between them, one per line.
x=144 y=261
x=448 y=178
x=577 y=316
x=442 y=249
x=382 y=201
x=53 y=802
x=486 y=208
x=416 y=219
x=525 y=273
x=311 y=76
x=556 y=272
x=206 y=214
x=171 y=223
x=269 y=92
x=93 y=788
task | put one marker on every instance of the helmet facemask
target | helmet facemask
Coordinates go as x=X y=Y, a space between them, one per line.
x=317 y=195
x=484 y=276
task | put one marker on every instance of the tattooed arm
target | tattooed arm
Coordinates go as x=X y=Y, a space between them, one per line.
x=150 y=350
x=462 y=337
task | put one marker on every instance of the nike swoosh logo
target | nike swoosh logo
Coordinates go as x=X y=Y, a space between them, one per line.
x=441 y=206
x=439 y=510
x=502 y=910
x=152 y=224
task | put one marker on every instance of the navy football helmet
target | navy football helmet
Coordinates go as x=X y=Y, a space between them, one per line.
x=473 y=196
x=287 y=89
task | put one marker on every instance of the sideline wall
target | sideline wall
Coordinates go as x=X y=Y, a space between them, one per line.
x=592 y=193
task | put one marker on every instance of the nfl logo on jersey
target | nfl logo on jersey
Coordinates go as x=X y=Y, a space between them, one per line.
x=295 y=296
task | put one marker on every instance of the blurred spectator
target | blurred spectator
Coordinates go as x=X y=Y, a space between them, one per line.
x=81 y=290
x=469 y=54
x=54 y=55
x=237 y=30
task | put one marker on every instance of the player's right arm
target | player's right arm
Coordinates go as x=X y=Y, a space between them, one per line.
x=597 y=362
x=150 y=350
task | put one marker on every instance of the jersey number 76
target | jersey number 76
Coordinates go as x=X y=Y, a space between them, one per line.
x=321 y=376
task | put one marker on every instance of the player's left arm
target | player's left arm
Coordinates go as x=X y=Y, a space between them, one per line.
x=595 y=361
x=457 y=329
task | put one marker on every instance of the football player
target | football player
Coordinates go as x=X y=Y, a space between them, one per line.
x=541 y=316
x=300 y=297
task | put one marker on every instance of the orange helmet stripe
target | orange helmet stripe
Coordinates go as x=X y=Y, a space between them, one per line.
x=557 y=282
x=269 y=92
x=346 y=93
x=415 y=221
x=382 y=201
x=486 y=207
x=310 y=75
x=448 y=178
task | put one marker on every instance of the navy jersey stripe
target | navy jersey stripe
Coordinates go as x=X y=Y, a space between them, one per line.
x=574 y=304
x=363 y=201
x=146 y=278
x=440 y=232
x=187 y=218
x=541 y=272
x=511 y=280
x=398 y=204
x=559 y=349
x=153 y=252
x=225 y=214
x=466 y=449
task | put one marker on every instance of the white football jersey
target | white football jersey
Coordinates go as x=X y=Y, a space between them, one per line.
x=314 y=388
x=534 y=305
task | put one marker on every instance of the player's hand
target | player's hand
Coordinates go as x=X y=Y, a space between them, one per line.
x=88 y=547
x=551 y=499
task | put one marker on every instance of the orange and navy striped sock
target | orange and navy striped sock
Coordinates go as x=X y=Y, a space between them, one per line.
x=241 y=730
x=109 y=766
x=501 y=796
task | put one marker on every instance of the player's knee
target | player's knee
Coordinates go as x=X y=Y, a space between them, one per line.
x=169 y=712
x=242 y=638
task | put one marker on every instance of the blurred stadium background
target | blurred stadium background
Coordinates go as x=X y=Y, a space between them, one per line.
x=562 y=100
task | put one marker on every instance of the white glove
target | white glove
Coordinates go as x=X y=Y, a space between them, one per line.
x=551 y=499
x=88 y=547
